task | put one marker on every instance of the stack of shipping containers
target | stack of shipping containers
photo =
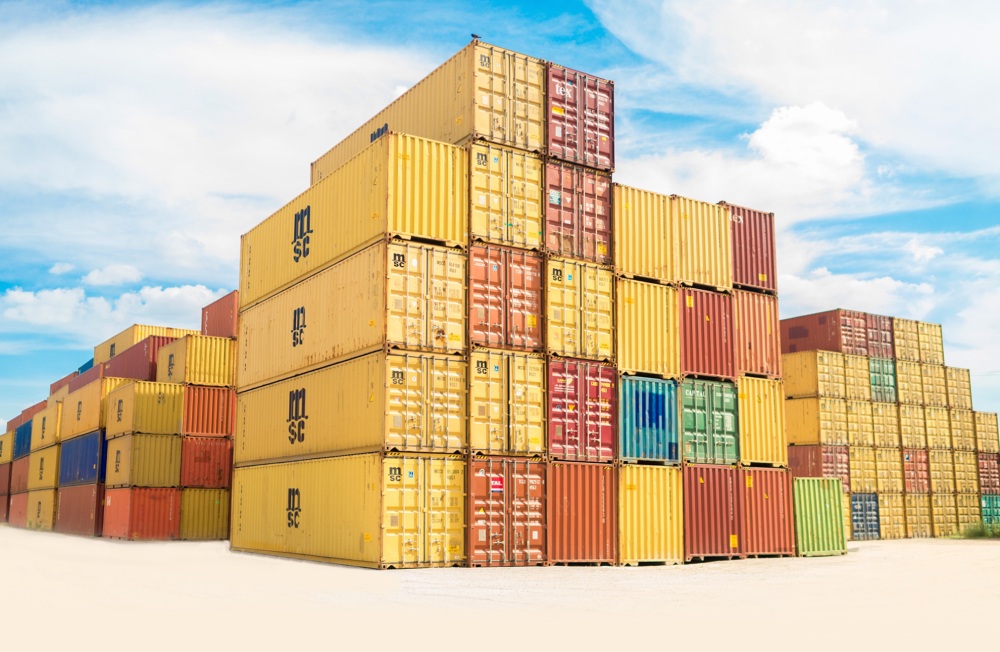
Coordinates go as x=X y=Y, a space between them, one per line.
x=19 y=507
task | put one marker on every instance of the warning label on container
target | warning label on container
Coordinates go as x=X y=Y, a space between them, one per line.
x=496 y=483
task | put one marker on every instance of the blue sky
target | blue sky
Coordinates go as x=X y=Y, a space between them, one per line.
x=139 y=140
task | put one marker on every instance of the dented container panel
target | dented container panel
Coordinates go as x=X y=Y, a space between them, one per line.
x=507 y=402
x=648 y=333
x=506 y=190
x=578 y=220
x=755 y=333
x=505 y=298
x=582 y=410
x=582 y=506
x=581 y=117
x=754 y=258
x=506 y=511
x=651 y=514
x=580 y=310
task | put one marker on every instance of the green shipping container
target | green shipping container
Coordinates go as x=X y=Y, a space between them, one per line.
x=991 y=509
x=819 y=517
x=709 y=419
x=883 y=375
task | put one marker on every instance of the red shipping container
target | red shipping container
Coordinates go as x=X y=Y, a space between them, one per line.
x=94 y=373
x=137 y=361
x=754 y=259
x=755 y=329
x=4 y=507
x=880 y=338
x=989 y=473
x=706 y=322
x=80 y=510
x=582 y=513
x=916 y=471
x=12 y=424
x=768 y=523
x=29 y=412
x=581 y=118
x=713 y=512
x=840 y=330
x=505 y=297
x=506 y=511
x=206 y=462
x=5 y=479
x=135 y=513
x=220 y=318
x=54 y=387
x=17 y=512
x=578 y=213
x=818 y=461
x=19 y=475
x=582 y=410
x=208 y=411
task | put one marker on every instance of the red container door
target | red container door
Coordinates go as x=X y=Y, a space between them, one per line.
x=581 y=118
x=916 y=471
x=880 y=339
x=525 y=309
x=487 y=309
x=815 y=461
x=706 y=334
x=768 y=524
x=582 y=402
x=4 y=507
x=17 y=512
x=582 y=513
x=578 y=213
x=506 y=511
x=19 y=475
x=5 y=479
x=505 y=297
x=758 y=348
x=208 y=411
x=713 y=512
x=142 y=514
x=80 y=510
x=989 y=473
x=206 y=462
x=754 y=260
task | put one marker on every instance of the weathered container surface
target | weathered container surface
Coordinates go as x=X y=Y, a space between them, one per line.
x=651 y=515
x=709 y=422
x=380 y=511
x=885 y=421
x=81 y=460
x=582 y=506
x=578 y=218
x=80 y=510
x=990 y=506
x=989 y=473
x=959 y=386
x=909 y=383
x=969 y=511
x=648 y=332
x=62 y=382
x=944 y=515
x=963 y=430
x=131 y=336
x=755 y=333
x=705 y=253
x=507 y=402
x=918 y=515
x=506 y=511
x=5 y=479
x=93 y=373
x=816 y=421
x=865 y=517
x=941 y=465
x=761 y=419
x=916 y=471
x=883 y=380
x=22 y=440
x=206 y=462
x=646 y=238
x=198 y=360
x=906 y=344
x=59 y=394
x=19 y=475
x=43 y=468
x=889 y=470
x=857 y=378
x=144 y=461
x=938 y=426
x=482 y=93
x=985 y=424
x=844 y=331
x=932 y=381
x=580 y=311
x=381 y=401
x=713 y=512
x=84 y=410
x=966 y=472
x=221 y=317
x=4 y=507
x=754 y=259
x=582 y=410
x=815 y=461
x=506 y=190
x=860 y=424
x=505 y=298
x=768 y=521
x=880 y=338
x=208 y=411
x=42 y=505
x=929 y=337
x=204 y=515
x=864 y=475
x=912 y=427
x=17 y=512
x=142 y=514
x=139 y=360
x=141 y=406
x=706 y=328
x=394 y=294
x=891 y=516
x=6 y=447
x=648 y=423
x=581 y=117
x=45 y=426
x=28 y=413
x=813 y=374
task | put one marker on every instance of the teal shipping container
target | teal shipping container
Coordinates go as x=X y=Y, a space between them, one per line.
x=647 y=413
x=991 y=509
x=819 y=517
x=709 y=422
x=883 y=379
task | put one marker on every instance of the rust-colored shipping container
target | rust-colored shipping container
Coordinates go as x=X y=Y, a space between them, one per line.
x=754 y=259
x=132 y=335
x=581 y=117
x=506 y=511
x=578 y=216
x=987 y=439
x=17 y=513
x=208 y=411
x=221 y=317
x=19 y=475
x=906 y=345
x=206 y=462
x=845 y=331
x=713 y=512
x=582 y=410
x=880 y=340
x=989 y=473
x=916 y=472
x=12 y=424
x=756 y=333
x=4 y=507
x=582 y=513
x=706 y=323
x=768 y=521
x=816 y=461
x=136 y=514
x=87 y=377
x=5 y=479
x=62 y=382
x=80 y=510
x=505 y=297
x=139 y=360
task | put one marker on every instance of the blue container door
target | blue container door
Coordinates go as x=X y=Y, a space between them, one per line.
x=648 y=419
x=82 y=460
x=22 y=440
x=864 y=517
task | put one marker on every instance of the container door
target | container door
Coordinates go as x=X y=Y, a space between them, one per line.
x=488 y=511
x=526 y=515
x=488 y=401
x=406 y=402
x=527 y=404
x=488 y=309
x=564 y=409
x=443 y=523
x=523 y=307
x=599 y=395
x=403 y=491
x=563 y=308
x=445 y=410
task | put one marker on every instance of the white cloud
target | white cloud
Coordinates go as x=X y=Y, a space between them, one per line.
x=61 y=268
x=114 y=274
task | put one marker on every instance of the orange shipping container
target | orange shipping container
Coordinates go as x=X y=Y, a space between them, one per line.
x=582 y=513
x=756 y=333
x=505 y=297
x=208 y=411
x=506 y=511
x=578 y=212
x=142 y=514
x=221 y=317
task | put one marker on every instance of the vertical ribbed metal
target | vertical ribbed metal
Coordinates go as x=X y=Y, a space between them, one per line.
x=648 y=336
x=819 y=518
x=768 y=524
x=756 y=334
x=648 y=424
x=204 y=514
x=761 y=419
x=582 y=513
x=713 y=512
x=650 y=514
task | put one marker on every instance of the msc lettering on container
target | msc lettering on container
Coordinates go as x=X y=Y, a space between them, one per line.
x=298 y=326
x=297 y=415
x=301 y=229
x=294 y=507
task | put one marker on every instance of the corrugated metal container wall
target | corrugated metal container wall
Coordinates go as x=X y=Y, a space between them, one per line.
x=650 y=514
x=865 y=517
x=578 y=220
x=857 y=378
x=944 y=515
x=912 y=427
x=139 y=514
x=990 y=510
x=942 y=471
x=127 y=338
x=916 y=471
x=966 y=472
x=768 y=521
x=506 y=511
x=14 y=423
x=506 y=190
x=885 y=421
x=221 y=317
x=706 y=328
x=82 y=460
x=204 y=515
x=482 y=93
x=507 y=402
x=19 y=475
x=819 y=520
x=864 y=476
x=505 y=298
x=581 y=117
x=7 y=447
x=198 y=360
x=206 y=462
x=80 y=510
x=62 y=382
x=959 y=387
x=22 y=440
x=704 y=243
x=987 y=438
x=816 y=421
x=646 y=240
x=43 y=469
x=761 y=421
x=45 y=426
x=813 y=373
x=755 y=333
x=906 y=344
x=41 y=509
x=938 y=427
x=989 y=473
x=909 y=383
x=396 y=294
x=17 y=513
x=580 y=311
x=933 y=383
x=754 y=259
x=713 y=512
x=647 y=425
x=648 y=332
x=144 y=461
x=821 y=462
x=5 y=479
x=931 y=343
x=918 y=515
x=393 y=511
x=582 y=505
x=963 y=430
x=969 y=514
x=880 y=340
x=582 y=410
x=85 y=378
x=59 y=394
x=137 y=361
x=844 y=331
x=84 y=410
x=709 y=422
x=883 y=379
x=4 y=507
x=28 y=413
x=860 y=426
x=889 y=470
x=891 y=516
x=151 y=408
x=208 y=411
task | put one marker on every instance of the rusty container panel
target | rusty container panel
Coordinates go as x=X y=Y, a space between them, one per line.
x=80 y=510
x=650 y=514
x=935 y=389
x=883 y=380
x=761 y=421
x=506 y=188
x=582 y=512
x=816 y=421
x=62 y=382
x=43 y=468
x=966 y=472
x=885 y=421
x=844 y=331
x=87 y=377
x=14 y=423
x=42 y=504
x=505 y=298
x=944 y=515
x=580 y=310
x=705 y=253
x=648 y=332
x=581 y=117
x=985 y=423
x=5 y=479
x=912 y=427
x=815 y=461
x=646 y=240
x=4 y=507
x=131 y=336
x=221 y=317
x=144 y=461
x=813 y=373
x=916 y=471
x=582 y=410
x=19 y=475
x=941 y=464
x=864 y=474
x=891 y=516
x=959 y=388
x=857 y=378
x=929 y=337
x=860 y=425
x=142 y=514
x=28 y=413
x=768 y=522
x=754 y=258
x=755 y=332
x=906 y=344
x=7 y=447
x=713 y=512
x=918 y=516
x=141 y=406
x=139 y=360
x=889 y=467
x=204 y=515
x=17 y=512
x=989 y=473
x=706 y=328
x=45 y=426
x=198 y=360
x=208 y=411
x=206 y=462
x=507 y=402
x=578 y=220
x=938 y=427
x=963 y=430
x=84 y=410
x=969 y=512
x=909 y=383
x=506 y=508
x=880 y=340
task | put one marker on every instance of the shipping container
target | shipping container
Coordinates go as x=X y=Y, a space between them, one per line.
x=989 y=473
x=648 y=332
x=7 y=447
x=41 y=509
x=864 y=475
x=990 y=510
x=880 y=340
x=582 y=410
x=754 y=258
x=507 y=402
x=918 y=513
x=581 y=117
x=80 y=510
x=28 y=413
x=713 y=512
x=140 y=406
x=848 y=518
x=860 y=423
x=43 y=469
x=755 y=333
x=582 y=506
x=506 y=511
x=127 y=338
x=819 y=517
x=959 y=388
x=889 y=470
x=768 y=521
x=62 y=382
x=208 y=411
x=505 y=298
x=932 y=381
x=380 y=511
x=81 y=460
x=844 y=331
x=912 y=427
x=482 y=93
x=506 y=192
x=963 y=430
x=938 y=427
x=885 y=421
x=206 y=462
x=198 y=360
x=646 y=237
x=45 y=426
x=810 y=374
x=966 y=472
x=84 y=410
x=650 y=515
x=916 y=471
x=58 y=395
x=580 y=313
x=394 y=294
x=204 y=515
x=14 y=423
x=944 y=515
x=138 y=514
x=704 y=243
x=857 y=378
x=648 y=424
x=17 y=512
x=941 y=464
x=578 y=219
x=221 y=317
x=709 y=418
x=761 y=419
x=969 y=511
x=93 y=373
x=905 y=340
x=931 y=343
x=144 y=461
x=22 y=440
x=909 y=383
x=19 y=475
x=5 y=479
x=86 y=366
x=815 y=461
x=891 y=516
x=816 y=421
x=706 y=329
x=4 y=507
x=985 y=423
x=865 y=517
x=139 y=360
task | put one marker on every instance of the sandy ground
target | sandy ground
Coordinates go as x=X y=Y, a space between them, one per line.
x=57 y=590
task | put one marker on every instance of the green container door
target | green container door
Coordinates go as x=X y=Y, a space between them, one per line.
x=709 y=418
x=883 y=375
x=819 y=517
x=991 y=509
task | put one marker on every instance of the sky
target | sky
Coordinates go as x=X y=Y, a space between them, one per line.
x=139 y=140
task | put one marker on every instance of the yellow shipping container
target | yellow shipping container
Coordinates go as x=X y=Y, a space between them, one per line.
x=848 y=518
x=938 y=427
x=864 y=474
x=42 y=509
x=860 y=425
x=891 y=516
x=43 y=468
x=197 y=360
x=813 y=373
x=482 y=93
x=942 y=470
x=918 y=516
x=905 y=340
x=944 y=515
x=816 y=421
x=648 y=332
x=45 y=426
x=885 y=421
x=909 y=383
x=704 y=245
x=506 y=192
x=966 y=472
x=59 y=394
x=912 y=427
x=141 y=406
x=857 y=378
x=646 y=240
x=762 y=421
x=987 y=436
x=963 y=430
x=84 y=410
x=396 y=401
x=133 y=335
x=7 y=447
x=931 y=343
x=204 y=514
x=650 y=514
x=969 y=510
x=507 y=402
x=889 y=470
x=579 y=309
x=959 y=386
x=380 y=511
x=932 y=381
x=144 y=461
x=393 y=294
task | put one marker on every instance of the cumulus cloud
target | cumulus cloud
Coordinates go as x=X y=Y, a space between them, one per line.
x=114 y=274
x=61 y=268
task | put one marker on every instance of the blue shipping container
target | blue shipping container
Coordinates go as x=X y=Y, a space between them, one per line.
x=647 y=419
x=991 y=509
x=22 y=440
x=82 y=460
x=864 y=517
x=85 y=366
